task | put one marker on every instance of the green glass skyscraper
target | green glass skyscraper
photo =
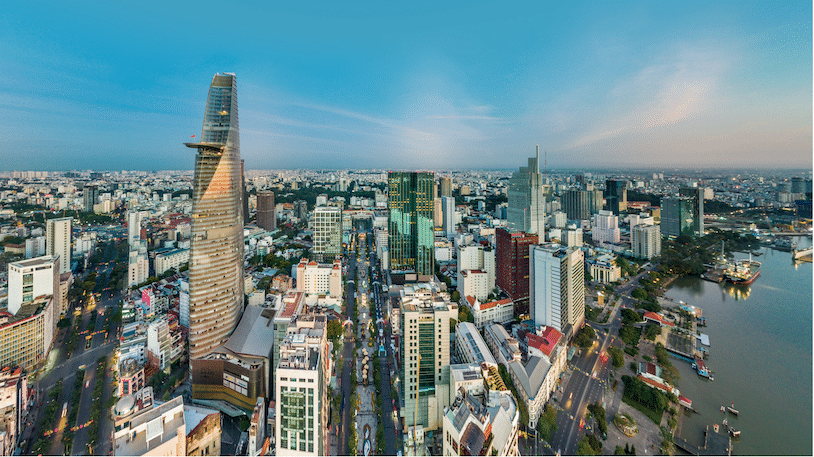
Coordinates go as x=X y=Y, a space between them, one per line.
x=411 y=237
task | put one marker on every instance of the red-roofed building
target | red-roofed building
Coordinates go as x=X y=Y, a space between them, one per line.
x=543 y=344
x=658 y=383
x=500 y=311
x=657 y=319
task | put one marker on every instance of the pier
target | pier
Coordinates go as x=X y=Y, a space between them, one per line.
x=714 y=444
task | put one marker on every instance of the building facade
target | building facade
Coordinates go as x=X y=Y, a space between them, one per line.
x=58 y=241
x=557 y=287
x=678 y=216
x=266 y=211
x=526 y=210
x=646 y=241
x=410 y=226
x=216 y=248
x=326 y=222
x=512 y=264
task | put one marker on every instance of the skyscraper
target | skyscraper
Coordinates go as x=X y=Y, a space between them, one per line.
x=58 y=241
x=697 y=194
x=646 y=241
x=216 y=248
x=448 y=216
x=446 y=187
x=526 y=211
x=557 y=287
x=266 y=217
x=411 y=238
x=616 y=195
x=90 y=195
x=512 y=259
x=327 y=225
x=677 y=216
x=577 y=204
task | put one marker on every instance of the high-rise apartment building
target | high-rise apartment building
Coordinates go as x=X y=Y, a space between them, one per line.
x=446 y=187
x=301 y=381
x=410 y=225
x=425 y=352
x=437 y=213
x=216 y=247
x=526 y=211
x=616 y=195
x=326 y=222
x=697 y=194
x=29 y=279
x=557 y=283
x=448 y=216
x=134 y=220
x=512 y=260
x=605 y=228
x=578 y=204
x=646 y=241
x=90 y=196
x=678 y=216
x=266 y=211
x=58 y=241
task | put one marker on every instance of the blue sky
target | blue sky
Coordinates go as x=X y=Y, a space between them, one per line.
x=423 y=85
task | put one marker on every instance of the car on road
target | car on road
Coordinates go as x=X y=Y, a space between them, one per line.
x=87 y=383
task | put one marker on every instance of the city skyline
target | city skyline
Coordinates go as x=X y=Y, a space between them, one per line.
x=415 y=86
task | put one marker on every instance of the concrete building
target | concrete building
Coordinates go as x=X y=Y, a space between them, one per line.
x=526 y=210
x=13 y=408
x=240 y=370
x=557 y=287
x=410 y=224
x=320 y=279
x=559 y=219
x=58 y=241
x=159 y=343
x=473 y=283
x=512 y=260
x=27 y=335
x=35 y=247
x=32 y=278
x=603 y=269
x=90 y=196
x=134 y=220
x=470 y=346
x=170 y=259
x=605 y=228
x=477 y=257
x=216 y=253
x=499 y=311
x=266 y=211
x=486 y=425
x=424 y=352
x=147 y=427
x=448 y=216
x=326 y=222
x=301 y=380
x=646 y=241
x=446 y=187
x=131 y=376
x=572 y=236
x=138 y=267
x=257 y=428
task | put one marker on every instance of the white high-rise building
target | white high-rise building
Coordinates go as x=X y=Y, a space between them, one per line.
x=138 y=267
x=477 y=257
x=326 y=223
x=557 y=286
x=32 y=278
x=605 y=228
x=159 y=343
x=448 y=216
x=526 y=210
x=58 y=242
x=646 y=241
x=320 y=279
x=35 y=247
x=134 y=219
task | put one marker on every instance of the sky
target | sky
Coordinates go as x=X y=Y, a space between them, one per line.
x=409 y=85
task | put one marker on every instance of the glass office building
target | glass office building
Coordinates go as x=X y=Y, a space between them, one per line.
x=411 y=237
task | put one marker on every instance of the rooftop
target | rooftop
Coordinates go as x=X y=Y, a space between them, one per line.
x=254 y=334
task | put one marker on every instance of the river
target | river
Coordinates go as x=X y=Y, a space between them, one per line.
x=761 y=356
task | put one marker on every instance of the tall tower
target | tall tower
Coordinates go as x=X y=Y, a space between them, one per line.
x=216 y=248
x=266 y=218
x=697 y=194
x=327 y=226
x=557 y=287
x=58 y=241
x=411 y=237
x=526 y=210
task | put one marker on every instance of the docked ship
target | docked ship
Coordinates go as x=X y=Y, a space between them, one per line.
x=743 y=271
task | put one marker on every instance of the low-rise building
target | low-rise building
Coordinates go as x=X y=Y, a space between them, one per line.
x=497 y=311
x=603 y=269
x=131 y=376
x=474 y=283
x=170 y=259
x=481 y=427
x=470 y=346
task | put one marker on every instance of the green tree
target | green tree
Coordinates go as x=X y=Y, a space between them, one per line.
x=584 y=337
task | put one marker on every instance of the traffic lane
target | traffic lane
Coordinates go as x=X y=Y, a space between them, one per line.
x=85 y=402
